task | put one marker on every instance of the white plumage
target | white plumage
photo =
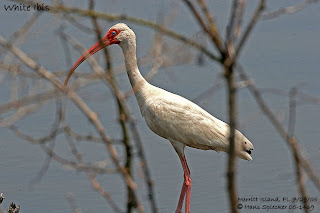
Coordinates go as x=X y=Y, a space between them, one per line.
x=168 y=115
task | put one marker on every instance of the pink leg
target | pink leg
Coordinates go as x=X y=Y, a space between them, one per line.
x=186 y=187
x=182 y=194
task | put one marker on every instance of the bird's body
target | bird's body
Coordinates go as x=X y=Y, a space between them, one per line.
x=179 y=119
x=168 y=115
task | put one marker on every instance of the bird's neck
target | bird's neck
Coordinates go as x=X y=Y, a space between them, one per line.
x=139 y=85
x=136 y=79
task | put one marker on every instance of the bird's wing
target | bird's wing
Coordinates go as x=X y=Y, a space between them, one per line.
x=176 y=118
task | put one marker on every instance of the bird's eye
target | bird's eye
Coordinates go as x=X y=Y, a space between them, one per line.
x=113 y=33
x=245 y=142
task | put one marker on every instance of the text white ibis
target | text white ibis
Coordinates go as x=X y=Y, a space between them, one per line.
x=168 y=115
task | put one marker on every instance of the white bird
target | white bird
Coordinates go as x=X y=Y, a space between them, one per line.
x=171 y=116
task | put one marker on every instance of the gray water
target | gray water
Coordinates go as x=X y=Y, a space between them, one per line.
x=281 y=54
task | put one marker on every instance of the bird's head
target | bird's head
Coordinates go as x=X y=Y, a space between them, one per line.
x=118 y=34
x=243 y=146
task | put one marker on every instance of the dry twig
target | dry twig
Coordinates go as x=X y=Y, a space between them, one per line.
x=93 y=118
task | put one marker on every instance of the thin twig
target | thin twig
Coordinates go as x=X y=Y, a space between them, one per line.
x=91 y=176
x=92 y=138
x=290 y=141
x=40 y=98
x=214 y=35
x=93 y=118
x=239 y=20
x=297 y=163
x=250 y=27
x=213 y=29
x=232 y=19
x=51 y=138
x=20 y=34
x=19 y=114
x=208 y=92
x=72 y=203
x=115 y=17
x=132 y=199
x=121 y=97
x=63 y=161
x=288 y=10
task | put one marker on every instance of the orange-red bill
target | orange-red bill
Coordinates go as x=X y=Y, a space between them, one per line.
x=95 y=48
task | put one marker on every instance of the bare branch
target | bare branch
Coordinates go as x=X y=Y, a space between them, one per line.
x=63 y=161
x=213 y=32
x=19 y=35
x=114 y=17
x=233 y=28
x=120 y=100
x=291 y=128
x=72 y=203
x=233 y=197
x=228 y=52
x=208 y=92
x=288 y=10
x=91 y=176
x=291 y=141
x=249 y=28
x=240 y=14
x=132 y=199
x=93 y=118
x=18 y=115
x=232 y=19
x=92 y=138
x=51 y=138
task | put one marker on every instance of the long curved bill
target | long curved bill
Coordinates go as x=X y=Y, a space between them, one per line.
x=95 y=48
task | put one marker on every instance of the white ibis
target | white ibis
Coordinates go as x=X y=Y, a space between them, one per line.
x=168 y=115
